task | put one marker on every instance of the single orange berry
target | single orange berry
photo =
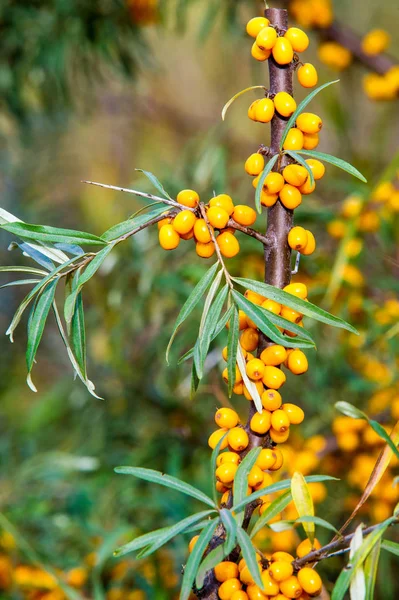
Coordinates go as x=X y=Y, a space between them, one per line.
x=272 y=306
x=291 y=587
x=294 y=140
x=266 y=38
x=274 y=355
x=226 y=418
x=226 y=472
x=297 y=362
x=297 y=239
x=184 y=222
x=270 y=586
x=201 y=232
x=223 y=201
x=307 y=75
x=309 y=123
x=318 y=169
x=271 y=400
x=187 y=236
x=280 y=570
x=215 y=438
x=274 y=182
x=255 y=477
x=192 y=543
x=244 y=215
x=228 y=588
x=280 y=421
x=165 y=221
x=169 y=239
x=279 y=436
x=238 y=388
x=205 y=250
x=260 y=423
x=279 y=460
x=252 y=110
x=264 y=110
x=188 y=198
x=225 y=375
x=268 y=199
x=240 y=595
x=228 y=244
x=310 y=141
x=259 y=54
x=375 y=41
x=228 y=457
x=284 y=104
x=311 y=244
x=297 y=289
x=255 y=164
x=226 y=570
x=283 y=52
x=298 y=38
x=310 y=581
x=255 y=369
x=249 y=339
x=273 y=378
x=306 y=546
x=295 y=175
x=255 y=25
x=266 y=459
x=217 y=217
x=307 y=187
x=294 y=413
x=290 y=196
x=254 y=297
x=237 y=439
x=291 y=315
x=285 y=556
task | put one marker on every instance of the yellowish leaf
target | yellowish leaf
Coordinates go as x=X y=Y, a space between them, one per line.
x=303 y=502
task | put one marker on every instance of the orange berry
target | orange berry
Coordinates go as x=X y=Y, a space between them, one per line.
x=238 y=388
x=228 y=457
x=280 y=570
x=297 y=362
x=217 y=217
x=255 y=25
x=279 y=460
x=266 y=459
x=307 y=187
x=310 y=581
x=225 y=375
x=188 y=198
x=226 y=472
x=280 y=421
x=294 y=140
x=223 y=201
x=228 y=588
x=255 y=593
x=291 y=315
x=255 y=477
x=283 y=52
x=294 y=413
x=255 y=164
x=240 y=595
x=279 y=436
x=237 y=439
x=184 y=222
x=225 y=498
x=298 y=238
x=226 y=570
x=259 y=54
x=290 y=196
x=271 y=587
x=266 y=38
x=305 y=547
x=228 y=244
x=375 y=41
x=307 y=75
x=310 y=141
x=260 y=422
x=311 y=244
x=254 y=297
x=274 y=182
x=284 y=104
x=271 y=400
x=249 y=339
x=268 y=199
x=215 y=438
x=297 y=289
x=226 y=418
x=309 y=123
x=291 y=587
x=273 y=378
x=264 y=110
x=192 y=543
x=274 y=355
x=205 y=250
x=298 y=38
x=255 y=369
x=252 y=110
x=272 y=306
x=165 y=221
x=201 y=232
x=295 y=174
x=169 y=239
x=187 y=236
x=244 y=215
x=279 y=556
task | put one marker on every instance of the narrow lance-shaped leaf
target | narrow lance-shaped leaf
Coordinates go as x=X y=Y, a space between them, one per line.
x=391 y=547
x=43 y=233
x=20 y=269
x=250 y=385
x=78 y=334
x=36 y=325
x=195 y=558
x=219 y=327
x=192 y=302
x=261 y=182
x=35 y=252
x=241 y=480
x=306 y=308
x=288 y=326
x=357 y=588
x=298 y=158
x=209 y=299
x=155 y=182
x=167 y=481
x=303 y=502
x=133 y=223
x=19 y=282
x=206 y=336
x=317 y=521
x=333 y=160
x=230 y=525
x=370 y=570
x=215 y=556
x=232 y=347
x=274 y=509
x=300 y=108
x=249 y=554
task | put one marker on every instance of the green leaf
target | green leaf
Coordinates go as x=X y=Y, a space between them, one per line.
x=214 y=456
x=306 y=308
x=259 y=316
x=41 y=233
x=209 y=326
x=230 y=526
x=287 y=325
x=298 y=158
x=210 y=561
x=132 y=224
x=195 y=558
x=303 y=503
x=300 y=108
x=275 y=508
x=37 y=321
x=249 y=554
x=232 y=347
x=155 y=182
x=241 y=481
x=250 y=385
x=357 y=588
x=230 y=102
x=317 y=521
x=209 y=299
x=261 y=181
x=391 y=547
x=19 y=282
x=192 y=302
x=167 y=481
x=370 y=570
x=17 y=269
x=194 y=382
x=351 y=411
x=333 y=160
x=161 y=536
x=87 y=274
x=360 y=556
x=78 y=335
x=280 y=486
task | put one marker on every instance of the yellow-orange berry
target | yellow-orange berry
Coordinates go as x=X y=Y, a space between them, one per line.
x=192 y=543
x=240 y=595
x=255 y=477
x=283 y=52
x=184 y=222
x=259 y=54
x=169 y=239
x=280 y=421
x=279 y=460
x=375 y=41
x=298 y=38
x=310 y=141
x=225 y=375
x=297 y=362
x=271 y=400
x=252 y=110
x=273 y=183
x=249 y=339
x=290 y=196
x=201 y=232
x=297 y=289
x=217 y=217
x=244 y=215
x=226 y=570
x=294 y=140
x=188 y=198
x=228 y=457
x=187 y=236
x=279 y=556
x=279 y=436
x=264 y=110
x=294 y=413
x=311 y=244
x=309 y=123
x=274 y=355
x=305 y=547
x=270 y=586
x=238 y=388
x=228 y=244
x=297 y=238
x=260 y=422
x=334 y=55
x=228 y=588
x=307 y=75
x=266 y=459
x=225 y=498
x=318 y=169
x=284 y=104
x=255 y=369
x=266 y=38
x=215 y=438
x=165 y=221
x=254 y=297
x=255 y=164
x=291 y=587
x=205 y=250
x=226 y=472
x=291 y=315
x=308 y=187
x=255 y=25
x=272 y=306
x=310 y=581
x=223 y=201
x=295 y=175
x=237 y=439
x=273 y=378
x=281 y=570
x=268 y=199
x=226 y=418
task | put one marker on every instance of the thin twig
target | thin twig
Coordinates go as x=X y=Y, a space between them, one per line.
x=248 y=231
x=219 y=254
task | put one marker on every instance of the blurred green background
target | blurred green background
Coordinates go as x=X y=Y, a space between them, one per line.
x=93 y=93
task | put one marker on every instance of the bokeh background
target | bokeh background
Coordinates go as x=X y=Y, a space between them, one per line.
x=93 y=91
